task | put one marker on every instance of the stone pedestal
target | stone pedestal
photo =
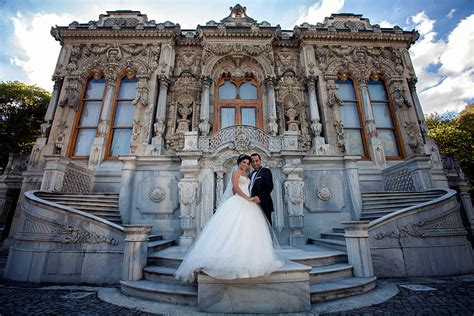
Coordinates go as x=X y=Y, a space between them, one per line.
x=358 y=248
x=284 y=291
x=136 y=251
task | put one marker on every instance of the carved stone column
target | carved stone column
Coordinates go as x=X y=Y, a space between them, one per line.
x=49 y=116
x=204 y=125
x=418 y=109
x=159 y=125
x=334 y=103
x=316 y=125
x=294 y=198
x=272 y=126
x=98 y=148
x=125 y=196
x=136 y=251
x=189 y=193
x=358 y=248
x=375 y=146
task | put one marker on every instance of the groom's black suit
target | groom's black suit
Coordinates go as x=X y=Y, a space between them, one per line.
x=262 y=187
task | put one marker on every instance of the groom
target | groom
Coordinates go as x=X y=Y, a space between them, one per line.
x=261 y=185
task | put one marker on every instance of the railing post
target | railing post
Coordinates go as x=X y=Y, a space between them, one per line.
x=358 y=248
x=136 y=251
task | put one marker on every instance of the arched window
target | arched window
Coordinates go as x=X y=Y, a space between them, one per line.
x=352 y=119
x=384 y=119
x=87 y=119
x=238 y=102
x=122 y=119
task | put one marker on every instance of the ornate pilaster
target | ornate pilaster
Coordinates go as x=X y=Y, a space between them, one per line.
x=188 y=192
x=159 y=125
x=204 y=125
x=48 y=118
x=375 y=146
x=316 y=125
x=272 y=126
x=98 y=148
x=294 y=198
x=335 y=103
x=418 y=109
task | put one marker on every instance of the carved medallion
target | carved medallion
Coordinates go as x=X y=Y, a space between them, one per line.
x=324 y=194
x=157 y=195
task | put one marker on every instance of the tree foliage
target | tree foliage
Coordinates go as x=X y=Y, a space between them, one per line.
x=454 y=134
x=22 y=110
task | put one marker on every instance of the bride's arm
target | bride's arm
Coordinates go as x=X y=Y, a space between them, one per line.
x=235 y=186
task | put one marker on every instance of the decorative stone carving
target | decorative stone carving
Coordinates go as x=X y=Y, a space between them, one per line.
x=340 y=135
x=291 y=109
x=188 y=192
x=188 y=59
x=287 y=60
x=324 y=194
x=184 y=95
x=157 y=195
x=73 y=93
x=63 y=232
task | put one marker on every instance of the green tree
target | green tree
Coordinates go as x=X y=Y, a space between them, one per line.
x=454 y=134
x=22 y=110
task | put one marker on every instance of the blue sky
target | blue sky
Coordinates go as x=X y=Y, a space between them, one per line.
x=443 y=56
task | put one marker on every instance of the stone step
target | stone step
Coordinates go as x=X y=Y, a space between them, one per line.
x=80 y=201
x=91 y=207
x=337 y=236
x=338 y=230
x=398 y=194
x=329 y=243
x=97 y=196
x=341 y=288
x=157 y=245
x=163 y=275
x=322 y=260
x=398 y=205
x=103 y=214
x=330 y=273
x=395 y=199
x=155 y=237
x=156 y=259
x=162 y=292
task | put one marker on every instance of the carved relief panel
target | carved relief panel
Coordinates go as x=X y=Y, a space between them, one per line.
x=292 y=111
x=183 y=110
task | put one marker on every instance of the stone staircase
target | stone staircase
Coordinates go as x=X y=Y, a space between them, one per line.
x=374 y=206
x=104 y=205
x=330 y=276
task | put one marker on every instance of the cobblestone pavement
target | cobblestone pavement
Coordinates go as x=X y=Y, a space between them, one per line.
x=449 y=296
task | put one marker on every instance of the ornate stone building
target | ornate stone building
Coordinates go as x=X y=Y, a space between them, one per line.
x=158 y=115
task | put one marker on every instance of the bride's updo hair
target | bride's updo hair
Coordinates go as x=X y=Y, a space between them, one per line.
x=242 y=158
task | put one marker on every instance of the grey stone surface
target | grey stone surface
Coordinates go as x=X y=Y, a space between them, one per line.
x=284 y=291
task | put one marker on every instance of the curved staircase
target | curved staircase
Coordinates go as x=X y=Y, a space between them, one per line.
x=104 y=205
x=376 y=205
x=330 y=275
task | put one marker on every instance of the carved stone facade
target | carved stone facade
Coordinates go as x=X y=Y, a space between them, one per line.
x=172 y=171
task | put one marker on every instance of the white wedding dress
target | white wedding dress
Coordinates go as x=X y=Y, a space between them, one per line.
x=235 y=243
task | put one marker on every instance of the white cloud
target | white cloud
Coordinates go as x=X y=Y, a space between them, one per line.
x=451 y=13
x=318 y=11
x=39 y=50
x=445 y=68
x=386 y=24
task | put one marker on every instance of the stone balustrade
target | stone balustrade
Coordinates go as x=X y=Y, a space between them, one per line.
x=412 y=174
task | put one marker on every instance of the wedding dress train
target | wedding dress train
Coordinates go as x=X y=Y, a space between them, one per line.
x=235 y=243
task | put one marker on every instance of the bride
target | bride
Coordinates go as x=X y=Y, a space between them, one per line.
x=237 y=240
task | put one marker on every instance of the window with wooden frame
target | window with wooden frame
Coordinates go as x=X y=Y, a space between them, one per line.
x=238 y=102
x=352 y=119
x=120 y=135
x=384 y=119
x=85 y=124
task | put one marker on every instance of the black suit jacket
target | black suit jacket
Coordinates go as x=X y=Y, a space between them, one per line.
x=262 y=188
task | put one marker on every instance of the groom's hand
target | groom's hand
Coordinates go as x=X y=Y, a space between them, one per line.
x=256 y=199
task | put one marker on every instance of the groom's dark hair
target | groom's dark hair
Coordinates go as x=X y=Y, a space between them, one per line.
x=256 y=154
